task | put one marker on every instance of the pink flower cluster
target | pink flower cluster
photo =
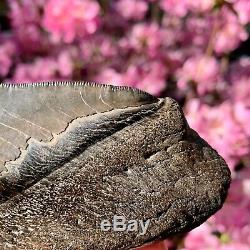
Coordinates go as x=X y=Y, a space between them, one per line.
x=220 y=126
x=132 y=9
x=7 y=52
x=226 y=125
x=46 y=68
x=181 y=8
x=194 y=51
x=70 y=19
x=201 y=71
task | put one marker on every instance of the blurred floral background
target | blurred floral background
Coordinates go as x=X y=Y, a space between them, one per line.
x=195 y=51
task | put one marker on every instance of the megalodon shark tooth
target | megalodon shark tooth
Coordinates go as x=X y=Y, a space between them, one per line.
x=75 y=154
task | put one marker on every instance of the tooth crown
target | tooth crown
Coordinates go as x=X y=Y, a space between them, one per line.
x=74 y=154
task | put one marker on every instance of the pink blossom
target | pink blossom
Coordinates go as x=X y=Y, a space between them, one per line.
x=244 y=177
x=146 y=38
x=175 y=7
x=234 y=246
x=65 y=64
x=233 y=220
x=7 y=52
x=242 y=115
x=30 y=39
x=240 y=70
x=197 y=32
x=107 y=48
x=239 y=77
x=182 y=7
x=246 y=186
x=132 y=9
x=202 y=5
x=243 y=10
x=201 y=238
x=68 y=19
x=220 y=128
x=202 y=71
x=150 y=77
x=230 y=32
x=25 y=19
x=42 y=69
x=25 y=12
x=110 y=76
x=232 y=217
x=236 y=193
x=172 y=29
x=98 y=48
x=242 y=236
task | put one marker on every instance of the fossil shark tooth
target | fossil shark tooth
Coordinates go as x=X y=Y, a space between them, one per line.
x=73 y=154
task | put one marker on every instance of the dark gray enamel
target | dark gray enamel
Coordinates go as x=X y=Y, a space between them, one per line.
x=140 y=160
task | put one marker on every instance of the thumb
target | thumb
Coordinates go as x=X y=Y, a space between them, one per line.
x=158 y=245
